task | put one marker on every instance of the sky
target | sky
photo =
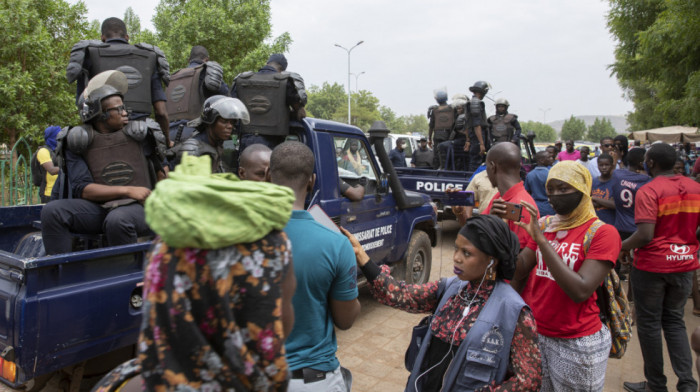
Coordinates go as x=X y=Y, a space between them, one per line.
x=549 y=58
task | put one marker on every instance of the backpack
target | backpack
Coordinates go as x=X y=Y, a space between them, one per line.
x=38 y=172
x=612 y=301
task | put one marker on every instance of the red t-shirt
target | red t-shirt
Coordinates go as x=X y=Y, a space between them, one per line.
x=673 y=205
x=517 y=194
x=557 y=315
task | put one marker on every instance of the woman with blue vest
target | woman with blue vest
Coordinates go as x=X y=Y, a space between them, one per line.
x=482 y=336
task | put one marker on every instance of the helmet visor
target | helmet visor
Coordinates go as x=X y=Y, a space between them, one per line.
x=231 y=108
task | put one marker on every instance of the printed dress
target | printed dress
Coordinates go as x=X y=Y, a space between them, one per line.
x=212 y=319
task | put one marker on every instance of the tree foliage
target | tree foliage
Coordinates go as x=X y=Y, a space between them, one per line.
x=573 y=129
x=600 y=129
x=364 y=109
x=133 y=28
x=236 y=32
x=657 y=60
x=543 y=133
x=324 y=101
x=37 y=36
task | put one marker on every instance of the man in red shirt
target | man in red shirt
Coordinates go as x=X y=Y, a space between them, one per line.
x=503 y=169
x=667 y=214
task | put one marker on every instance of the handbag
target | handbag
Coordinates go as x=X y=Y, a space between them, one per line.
x=421 y=330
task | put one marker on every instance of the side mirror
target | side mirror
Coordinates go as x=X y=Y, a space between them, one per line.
x=383 y=184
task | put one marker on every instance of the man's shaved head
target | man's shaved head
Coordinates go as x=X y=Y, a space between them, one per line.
x=503 y=164
x=291 y=164
x=505 y=155
x=253 y=162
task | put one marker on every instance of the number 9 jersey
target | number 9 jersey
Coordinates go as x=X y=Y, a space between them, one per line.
x=625 y=184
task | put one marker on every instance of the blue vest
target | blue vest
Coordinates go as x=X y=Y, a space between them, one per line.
x=484 y=354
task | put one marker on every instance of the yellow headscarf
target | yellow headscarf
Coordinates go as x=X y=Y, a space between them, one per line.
x=578 y=177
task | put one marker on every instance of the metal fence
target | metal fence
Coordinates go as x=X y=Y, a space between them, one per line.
x=16 y=186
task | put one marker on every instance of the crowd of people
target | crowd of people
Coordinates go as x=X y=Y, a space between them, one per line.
x=238 y=298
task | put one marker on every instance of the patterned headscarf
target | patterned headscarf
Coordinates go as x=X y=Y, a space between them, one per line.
x=578 y=177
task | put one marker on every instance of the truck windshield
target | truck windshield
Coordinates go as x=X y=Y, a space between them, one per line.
x=352 y=158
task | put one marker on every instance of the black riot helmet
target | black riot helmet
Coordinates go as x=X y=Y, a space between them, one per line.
x=224 y=107
x=480 y=87
x=101 y=86
x=92 y=105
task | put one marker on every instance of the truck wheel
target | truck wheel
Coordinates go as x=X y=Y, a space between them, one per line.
x=36 y=384
x=415 y=267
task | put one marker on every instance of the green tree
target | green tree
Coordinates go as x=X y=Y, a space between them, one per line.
x=237 y=33
x=323 y=102
x=414 y=123
x=657 y=60
x=573 y=129
x=364 y=109
x=600 y=129
x=133 y=28
x=543 y=133
x=38 y=36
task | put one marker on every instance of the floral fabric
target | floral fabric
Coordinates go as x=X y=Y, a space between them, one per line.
x=212 y=319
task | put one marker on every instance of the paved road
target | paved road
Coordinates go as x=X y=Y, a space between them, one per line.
x=373 y=349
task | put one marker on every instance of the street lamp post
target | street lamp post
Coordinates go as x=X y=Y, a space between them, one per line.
x=544 y=114
x=349 y=50
x=357 y=76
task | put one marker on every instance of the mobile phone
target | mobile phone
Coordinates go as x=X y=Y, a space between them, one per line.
x=460 y=198
x=513 y=211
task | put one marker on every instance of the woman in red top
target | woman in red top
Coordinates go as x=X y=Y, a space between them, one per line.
x=557 y=275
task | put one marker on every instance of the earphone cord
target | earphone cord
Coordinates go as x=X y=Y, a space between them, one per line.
x=454 y=332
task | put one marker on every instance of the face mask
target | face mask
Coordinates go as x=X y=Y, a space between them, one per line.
x=566 y=203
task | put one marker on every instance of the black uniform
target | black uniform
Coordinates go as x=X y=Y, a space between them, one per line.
x=272 y=127
x=505 y=128
x=476 y=116
x=117 y=158
x=442 y=119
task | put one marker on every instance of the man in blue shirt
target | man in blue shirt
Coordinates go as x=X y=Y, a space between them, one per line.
x=397 y=156
x=536 y=180
x=325 y=268
x=602 y=192
x=625 y=184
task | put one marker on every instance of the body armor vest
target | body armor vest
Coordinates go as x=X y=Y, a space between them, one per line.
x=137 y=64
x=423 y=158
x=117 y=159
x=501 y=128
x=444 y=118
x=264 y=95
x=185 y=98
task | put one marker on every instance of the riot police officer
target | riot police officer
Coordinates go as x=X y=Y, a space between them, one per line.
x=190 y=87
x=273 y=97
x=458 y=134
x=504 y=126
x=441 y=121
x=141 y=63
x=111 y=165
x=221 y=115
x=477 y=126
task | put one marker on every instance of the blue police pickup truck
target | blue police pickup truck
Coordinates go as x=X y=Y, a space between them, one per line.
x=434 y=183
x=79 y=313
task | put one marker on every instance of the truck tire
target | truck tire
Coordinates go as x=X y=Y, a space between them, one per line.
x=415 y=267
